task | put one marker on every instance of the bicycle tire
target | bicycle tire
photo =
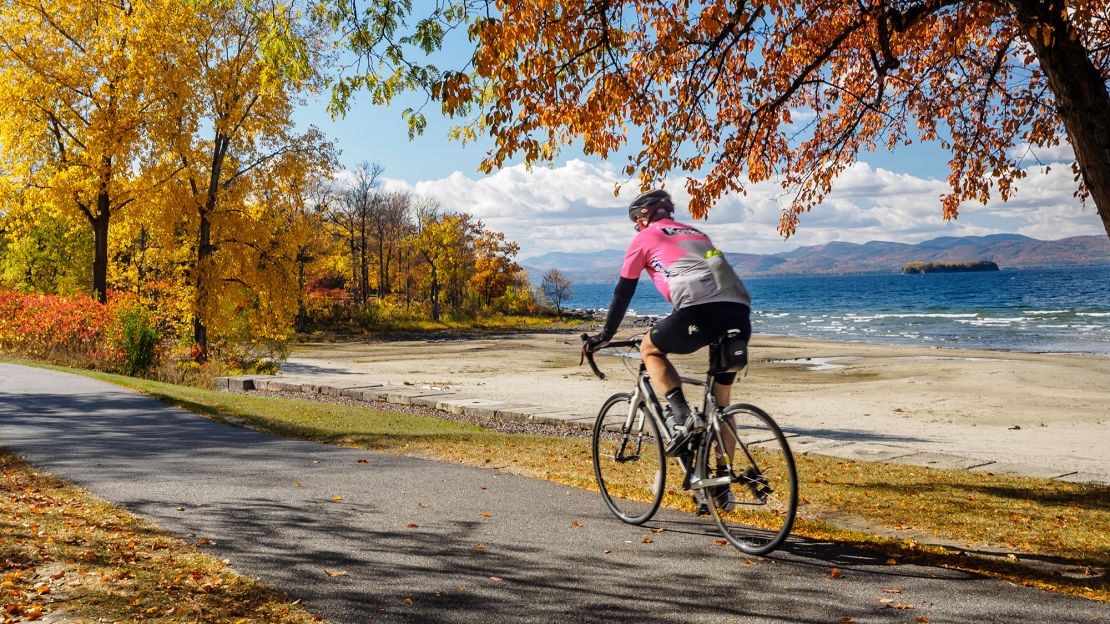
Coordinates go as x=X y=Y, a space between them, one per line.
x=630 y=467
x=757 y=510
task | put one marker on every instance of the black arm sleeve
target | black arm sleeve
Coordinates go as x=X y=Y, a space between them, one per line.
x=622 y=296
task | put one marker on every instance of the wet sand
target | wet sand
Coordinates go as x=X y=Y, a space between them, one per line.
x=1050 y=410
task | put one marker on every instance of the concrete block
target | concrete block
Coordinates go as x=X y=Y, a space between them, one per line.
x=407 y=396
x=488 y=411
x=378 y=393
x=240 y=383
x=523 y=413
x=456 y=404
x=219 y=384
x=573 y=419
x=433 y=400
x=356 y=391
x=282 y=385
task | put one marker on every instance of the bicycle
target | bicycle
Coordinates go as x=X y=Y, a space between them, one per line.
x=741 y=466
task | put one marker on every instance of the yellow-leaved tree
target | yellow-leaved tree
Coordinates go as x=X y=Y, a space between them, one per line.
x=244 y=168
x=80 y=80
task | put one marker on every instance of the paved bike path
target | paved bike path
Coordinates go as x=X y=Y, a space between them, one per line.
x=238 y=490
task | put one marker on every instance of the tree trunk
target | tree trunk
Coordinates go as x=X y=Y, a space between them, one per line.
x=364 y=271
x=1082 y=100
x=204 y=251
x=354 y=267
x=302 y=314
x=435 y=288
x=100 y=243
x=381 y=265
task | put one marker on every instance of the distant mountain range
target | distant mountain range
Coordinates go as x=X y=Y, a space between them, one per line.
x=1008 y=251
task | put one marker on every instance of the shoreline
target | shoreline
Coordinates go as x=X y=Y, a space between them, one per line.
x=1007 y=407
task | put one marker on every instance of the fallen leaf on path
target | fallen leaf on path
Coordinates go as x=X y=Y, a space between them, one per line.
x=479 y=549
x=413 y=525
x=42 y=590
x=647 y=540
x=335 y=572
x=496 y=579
x=363 y=461
x=337 y=498
x=407 y=601
x=885 y=600
x=892 y=591
x=922 y=618
x=575 y=523
x=847 y=619
x=657 y=530
x=892 y=561
x=720 y=541
x=481 y=487
x=899 y=606
x=203 y=542
x=422 y=505
x=834 y=573
x=487 y=515
x=297 y=484
x=607 y=551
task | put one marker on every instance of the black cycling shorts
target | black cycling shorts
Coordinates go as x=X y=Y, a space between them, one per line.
x=689 y=329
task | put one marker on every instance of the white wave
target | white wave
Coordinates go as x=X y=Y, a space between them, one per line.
x=885 y=315
x=1040 y=312
x=994 y=321
x=1092 y=313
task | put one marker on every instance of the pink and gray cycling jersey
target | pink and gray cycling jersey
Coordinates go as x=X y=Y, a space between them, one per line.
x=684 y=265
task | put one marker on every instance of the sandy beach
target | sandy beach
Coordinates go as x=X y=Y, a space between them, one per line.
x=1004 y=407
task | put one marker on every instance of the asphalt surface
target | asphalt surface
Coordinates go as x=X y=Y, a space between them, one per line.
x=237 y=489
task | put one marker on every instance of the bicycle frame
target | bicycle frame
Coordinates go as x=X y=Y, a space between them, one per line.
x=645 y=396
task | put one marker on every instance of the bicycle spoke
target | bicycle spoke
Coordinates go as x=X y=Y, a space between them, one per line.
x=756 y=509
x=631 y=483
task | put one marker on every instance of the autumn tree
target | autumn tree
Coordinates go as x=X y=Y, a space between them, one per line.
x=76 y=93
x=732 y=93
x=557 y=288
x=353 y=215
x=390 y=222
x=310 y=217
x=494 y=267
x=444 y=242
x=238 y=150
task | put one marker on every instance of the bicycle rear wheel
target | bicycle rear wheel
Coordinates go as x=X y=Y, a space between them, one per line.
x=755 y=509
x=629 y=463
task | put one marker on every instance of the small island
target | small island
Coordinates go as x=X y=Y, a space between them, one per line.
x=949 y=267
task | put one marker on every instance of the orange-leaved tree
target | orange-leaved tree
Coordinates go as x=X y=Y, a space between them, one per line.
x=732 y=92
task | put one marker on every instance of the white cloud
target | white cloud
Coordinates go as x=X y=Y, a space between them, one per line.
x=572 y=208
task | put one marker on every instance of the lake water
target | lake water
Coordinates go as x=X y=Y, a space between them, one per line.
x=1042 y=310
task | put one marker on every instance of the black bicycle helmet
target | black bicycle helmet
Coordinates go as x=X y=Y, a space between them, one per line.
x=649 y=204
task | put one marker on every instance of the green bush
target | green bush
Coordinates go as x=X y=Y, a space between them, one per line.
x=140 y=341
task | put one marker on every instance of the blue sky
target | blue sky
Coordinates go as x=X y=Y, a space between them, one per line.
x=570 y=205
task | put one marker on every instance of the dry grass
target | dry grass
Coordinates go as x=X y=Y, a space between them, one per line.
x=66 y=555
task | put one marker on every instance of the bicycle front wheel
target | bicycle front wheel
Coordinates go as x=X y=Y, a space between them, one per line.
x=755 y=508
x=629 y=463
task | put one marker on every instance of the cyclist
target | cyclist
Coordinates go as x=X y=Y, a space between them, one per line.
x=709 y=300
